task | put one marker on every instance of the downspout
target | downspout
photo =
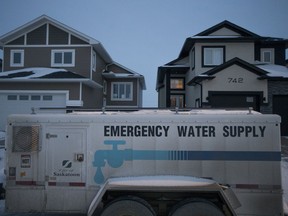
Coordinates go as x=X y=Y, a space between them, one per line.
x=201 y=92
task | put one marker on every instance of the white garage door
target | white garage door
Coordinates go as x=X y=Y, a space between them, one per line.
x=22 y=102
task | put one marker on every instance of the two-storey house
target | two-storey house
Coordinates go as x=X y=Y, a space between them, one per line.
x=47 y=64
x=227 y=66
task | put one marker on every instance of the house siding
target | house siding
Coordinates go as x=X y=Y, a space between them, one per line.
x=244 y=51
x=36 y=41
x=92 y=98
x=41 y=57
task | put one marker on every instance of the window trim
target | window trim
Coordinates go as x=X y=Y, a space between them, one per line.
x=212 y=47
x=12 y=63
x=267 y=50
x=122 y=99
x=62 y=51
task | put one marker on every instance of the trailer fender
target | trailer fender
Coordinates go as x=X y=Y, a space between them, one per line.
x=97 y=199
x=167 y=183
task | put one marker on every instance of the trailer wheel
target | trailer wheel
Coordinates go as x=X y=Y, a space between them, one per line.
x=195 y=208
x=128 y=206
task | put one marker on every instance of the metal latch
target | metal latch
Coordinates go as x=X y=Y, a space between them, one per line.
x=79 y=157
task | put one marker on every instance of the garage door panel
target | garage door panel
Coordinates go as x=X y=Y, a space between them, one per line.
x=280 y=107
x=15 y=103
x=234 y=101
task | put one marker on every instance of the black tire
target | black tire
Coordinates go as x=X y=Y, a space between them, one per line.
x=128 y=206
x=190 y=208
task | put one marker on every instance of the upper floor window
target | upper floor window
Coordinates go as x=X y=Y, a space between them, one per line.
x=177 y=83
x=17 y=58
x=192 y=59
x=267 y=55
x=94 y=61
x=122 y=91
x=212 y=56
x=63 y=58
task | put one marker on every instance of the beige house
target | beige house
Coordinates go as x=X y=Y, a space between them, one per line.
x=227 y=66
x=48 y=64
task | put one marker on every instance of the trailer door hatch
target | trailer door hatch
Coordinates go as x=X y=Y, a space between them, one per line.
x=66 y=156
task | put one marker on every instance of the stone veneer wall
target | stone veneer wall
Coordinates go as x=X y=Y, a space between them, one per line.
x=274 y=88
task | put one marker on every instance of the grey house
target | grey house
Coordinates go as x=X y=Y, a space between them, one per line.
x=48 y=64
x=227 y=66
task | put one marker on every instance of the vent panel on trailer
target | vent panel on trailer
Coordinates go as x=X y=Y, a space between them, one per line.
x=26 y=138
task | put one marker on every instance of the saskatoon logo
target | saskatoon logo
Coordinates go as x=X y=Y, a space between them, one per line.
x=66 y=164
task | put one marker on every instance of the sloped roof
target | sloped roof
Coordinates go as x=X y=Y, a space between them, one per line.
x=229 y=25
x=264 y=71
x=39 y=21
x=237 y=61
x=274 y=72
x=243 y=35
x=45 y=75
x=125 y=73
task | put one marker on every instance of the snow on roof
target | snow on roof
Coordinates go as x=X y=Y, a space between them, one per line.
x=32 y=73
x=216 y=36
x=171 y=112
x=274 y=70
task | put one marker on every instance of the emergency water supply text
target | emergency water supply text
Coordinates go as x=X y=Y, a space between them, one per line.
x=183 y=131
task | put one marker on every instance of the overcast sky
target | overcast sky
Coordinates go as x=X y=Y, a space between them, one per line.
x=145 y=34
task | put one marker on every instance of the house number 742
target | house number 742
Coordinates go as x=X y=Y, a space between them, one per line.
x=235 y=80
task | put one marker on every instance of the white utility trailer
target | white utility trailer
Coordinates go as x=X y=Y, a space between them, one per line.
x=147 y=162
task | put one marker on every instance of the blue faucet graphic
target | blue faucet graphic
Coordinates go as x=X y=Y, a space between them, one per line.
x=115 y=157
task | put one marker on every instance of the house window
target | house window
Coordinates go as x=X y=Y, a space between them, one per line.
x=212 y=56
x=177 y=101
x=122 y=91
x=94 y=61
x=177 y=83
x=267 y=55
x=35 y=97
x=63 y=58
x=47 y=97
x=23 y=97
x=17 y=58
x=192 y=59
x=11 y=97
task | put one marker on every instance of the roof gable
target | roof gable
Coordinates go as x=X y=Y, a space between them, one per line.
x=118 y=71
x=237 y=61
x=16 y=35
x=40 y=22
x=227 y=28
